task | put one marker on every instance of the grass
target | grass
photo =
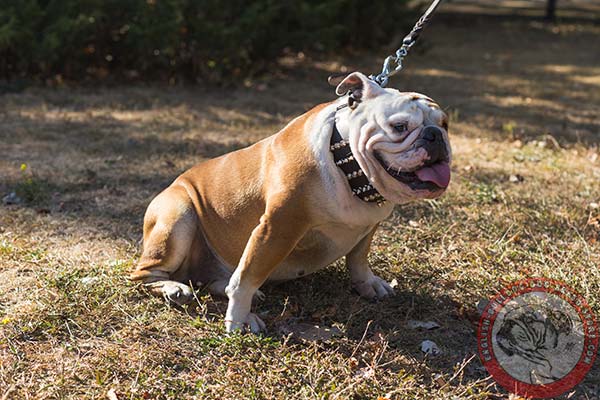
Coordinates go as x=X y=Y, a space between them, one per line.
x=524 y=98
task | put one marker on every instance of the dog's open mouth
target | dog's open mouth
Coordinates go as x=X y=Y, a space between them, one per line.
x=431 y=177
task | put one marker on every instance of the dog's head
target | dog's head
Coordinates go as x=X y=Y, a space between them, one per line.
x=400 y=140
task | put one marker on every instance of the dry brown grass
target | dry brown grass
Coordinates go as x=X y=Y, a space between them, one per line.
x=524 y=99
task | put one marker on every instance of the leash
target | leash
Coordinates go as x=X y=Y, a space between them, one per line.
x=393 y=64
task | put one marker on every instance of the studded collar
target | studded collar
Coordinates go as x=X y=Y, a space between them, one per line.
x=344 y=159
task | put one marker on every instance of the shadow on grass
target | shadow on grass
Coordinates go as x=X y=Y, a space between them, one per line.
x=326 y=299
x=114 y=189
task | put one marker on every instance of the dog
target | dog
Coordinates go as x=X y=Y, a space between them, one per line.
x=297 y=201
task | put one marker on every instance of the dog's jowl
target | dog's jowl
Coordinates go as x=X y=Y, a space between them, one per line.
x=296 y=201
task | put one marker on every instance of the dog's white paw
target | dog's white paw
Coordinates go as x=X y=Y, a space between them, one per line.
x=252 y=323
x=373 y=288
x=174 y=292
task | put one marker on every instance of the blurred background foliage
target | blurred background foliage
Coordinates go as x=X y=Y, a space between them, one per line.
x=205 y=40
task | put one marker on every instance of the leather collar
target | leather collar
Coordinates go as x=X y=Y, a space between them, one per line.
x=359 y=183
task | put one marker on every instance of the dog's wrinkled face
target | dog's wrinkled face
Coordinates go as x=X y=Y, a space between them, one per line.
x=400 y=140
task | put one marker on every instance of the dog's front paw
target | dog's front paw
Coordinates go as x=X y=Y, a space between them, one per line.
x=373 y=288
x=252 y=322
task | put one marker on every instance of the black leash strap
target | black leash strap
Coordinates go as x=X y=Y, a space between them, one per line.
x=424 y=20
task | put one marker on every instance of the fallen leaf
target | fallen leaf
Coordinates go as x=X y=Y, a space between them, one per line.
x=431 y=348
x=429 y=325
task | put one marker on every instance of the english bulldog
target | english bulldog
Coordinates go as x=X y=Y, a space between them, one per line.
x=297 y=201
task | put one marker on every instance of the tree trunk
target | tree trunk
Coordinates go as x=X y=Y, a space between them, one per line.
x=551 y=10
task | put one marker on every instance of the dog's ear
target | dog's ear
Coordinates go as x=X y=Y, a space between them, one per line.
x=360 y=86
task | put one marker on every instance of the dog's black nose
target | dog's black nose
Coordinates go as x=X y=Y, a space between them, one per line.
x=432 y=134
x=432 y=140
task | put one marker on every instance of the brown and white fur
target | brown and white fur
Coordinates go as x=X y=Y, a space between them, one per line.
x=281 y=209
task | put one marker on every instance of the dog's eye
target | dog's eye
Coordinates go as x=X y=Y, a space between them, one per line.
x=401 y=127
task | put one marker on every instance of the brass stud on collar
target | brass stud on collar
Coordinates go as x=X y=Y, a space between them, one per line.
x=376 y=197
x=354 y=174
x=363 y=189
x=338 y=145
x=344 y=160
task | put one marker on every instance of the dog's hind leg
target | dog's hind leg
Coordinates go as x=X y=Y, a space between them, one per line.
x=170 y=225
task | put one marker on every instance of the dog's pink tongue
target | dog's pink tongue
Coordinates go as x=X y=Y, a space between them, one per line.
x=437 y=173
